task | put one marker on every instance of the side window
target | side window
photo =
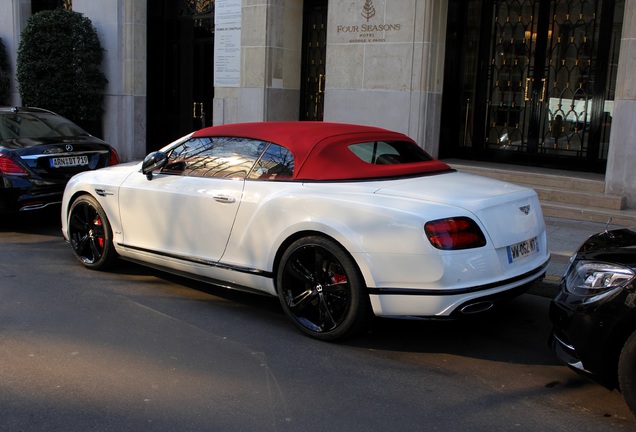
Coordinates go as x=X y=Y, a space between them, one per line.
x=226 y=157
x=389 y=152
x=277 y=163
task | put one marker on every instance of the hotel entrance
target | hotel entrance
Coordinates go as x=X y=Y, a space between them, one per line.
x=314 y=58
x=180 y=69
x=536 y=81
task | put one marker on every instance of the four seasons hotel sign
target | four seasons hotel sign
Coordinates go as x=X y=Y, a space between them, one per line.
x=367 y=27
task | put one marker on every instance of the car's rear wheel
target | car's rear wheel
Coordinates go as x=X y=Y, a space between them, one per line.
x=627 y=372
x=321 y=289
x=90 y=234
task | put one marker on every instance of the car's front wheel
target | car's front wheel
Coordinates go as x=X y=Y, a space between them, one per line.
x=321 y=289
x=90 y=234
x=627 y=372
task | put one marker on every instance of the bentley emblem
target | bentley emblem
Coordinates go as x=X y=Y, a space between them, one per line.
x=68 y=147
x=525 y=209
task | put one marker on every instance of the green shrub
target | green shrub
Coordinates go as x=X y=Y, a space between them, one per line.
x=58 y=65
x=5 y=75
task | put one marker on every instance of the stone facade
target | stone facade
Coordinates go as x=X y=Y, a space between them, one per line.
x=384 y=67
x=620 y=177
x=120 y=25
x=12 y=21
x=387 y=69
x=271 y=47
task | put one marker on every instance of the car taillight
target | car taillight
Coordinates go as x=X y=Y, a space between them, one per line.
x=9 y=167
x=114 y=157
x=454 y=233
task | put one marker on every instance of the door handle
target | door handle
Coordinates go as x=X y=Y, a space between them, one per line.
x=529 y=82
x=224 y=199
x=197 y=114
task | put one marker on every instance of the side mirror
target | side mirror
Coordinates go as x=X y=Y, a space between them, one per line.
x=152 y=162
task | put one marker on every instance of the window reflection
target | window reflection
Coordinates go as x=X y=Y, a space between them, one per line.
x=230 y=157
x=213 y=157
x=277 y=163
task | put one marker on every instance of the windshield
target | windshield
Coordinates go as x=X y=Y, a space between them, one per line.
x=36 y=125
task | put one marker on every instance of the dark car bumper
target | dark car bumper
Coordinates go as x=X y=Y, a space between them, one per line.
x=567 y=354
x=588 y=338
x=24 y=194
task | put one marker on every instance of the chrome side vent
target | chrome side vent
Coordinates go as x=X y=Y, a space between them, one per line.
x=103 y=192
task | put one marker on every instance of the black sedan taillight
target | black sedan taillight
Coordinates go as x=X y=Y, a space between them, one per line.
x=454 y=233
x=114 y=157
x=9 y=167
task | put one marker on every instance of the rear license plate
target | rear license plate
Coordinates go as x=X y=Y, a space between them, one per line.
x=523 y=249
x=71 y=161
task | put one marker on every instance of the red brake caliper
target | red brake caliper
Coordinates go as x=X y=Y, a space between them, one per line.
x=98 y=222
x=339 y=278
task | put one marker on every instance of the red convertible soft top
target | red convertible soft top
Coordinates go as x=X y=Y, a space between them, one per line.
x=321 y=149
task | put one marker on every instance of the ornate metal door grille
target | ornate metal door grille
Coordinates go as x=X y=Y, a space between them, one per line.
x=537 y=80
x=543 y=76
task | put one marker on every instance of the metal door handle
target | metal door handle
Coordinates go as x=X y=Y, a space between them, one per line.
x=224 y=199
x=529 y=82
x=197 y=114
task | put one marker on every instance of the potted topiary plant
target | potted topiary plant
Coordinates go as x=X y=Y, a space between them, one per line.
x=5 y=81
x=58 y=67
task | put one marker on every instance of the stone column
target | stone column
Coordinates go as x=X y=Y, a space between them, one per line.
x=13 y=18
x=385 y=65
x=121 y=26
x=271 y=46
x=620 y=177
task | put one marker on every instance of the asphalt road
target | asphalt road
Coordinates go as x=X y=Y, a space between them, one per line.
x=136 y=350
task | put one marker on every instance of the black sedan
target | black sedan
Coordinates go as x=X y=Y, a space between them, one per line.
x=594 y=314
x=39 y=152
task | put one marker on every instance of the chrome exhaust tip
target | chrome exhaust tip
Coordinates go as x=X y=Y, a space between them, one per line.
x=479 y=307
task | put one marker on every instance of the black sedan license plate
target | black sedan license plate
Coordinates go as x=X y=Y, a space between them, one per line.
x=71 y=161
x=523 y=249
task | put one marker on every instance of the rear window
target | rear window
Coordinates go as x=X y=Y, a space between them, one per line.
x=389 y=152
x=36 y=125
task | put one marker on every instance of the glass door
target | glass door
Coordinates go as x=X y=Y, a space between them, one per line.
x=537 y=88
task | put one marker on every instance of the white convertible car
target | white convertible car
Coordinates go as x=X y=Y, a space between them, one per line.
x=339 y=221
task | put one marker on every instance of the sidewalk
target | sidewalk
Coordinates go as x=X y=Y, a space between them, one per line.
x=564 y=238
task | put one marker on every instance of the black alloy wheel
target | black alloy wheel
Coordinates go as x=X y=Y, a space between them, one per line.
x=321 y=289
x=90 y=233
